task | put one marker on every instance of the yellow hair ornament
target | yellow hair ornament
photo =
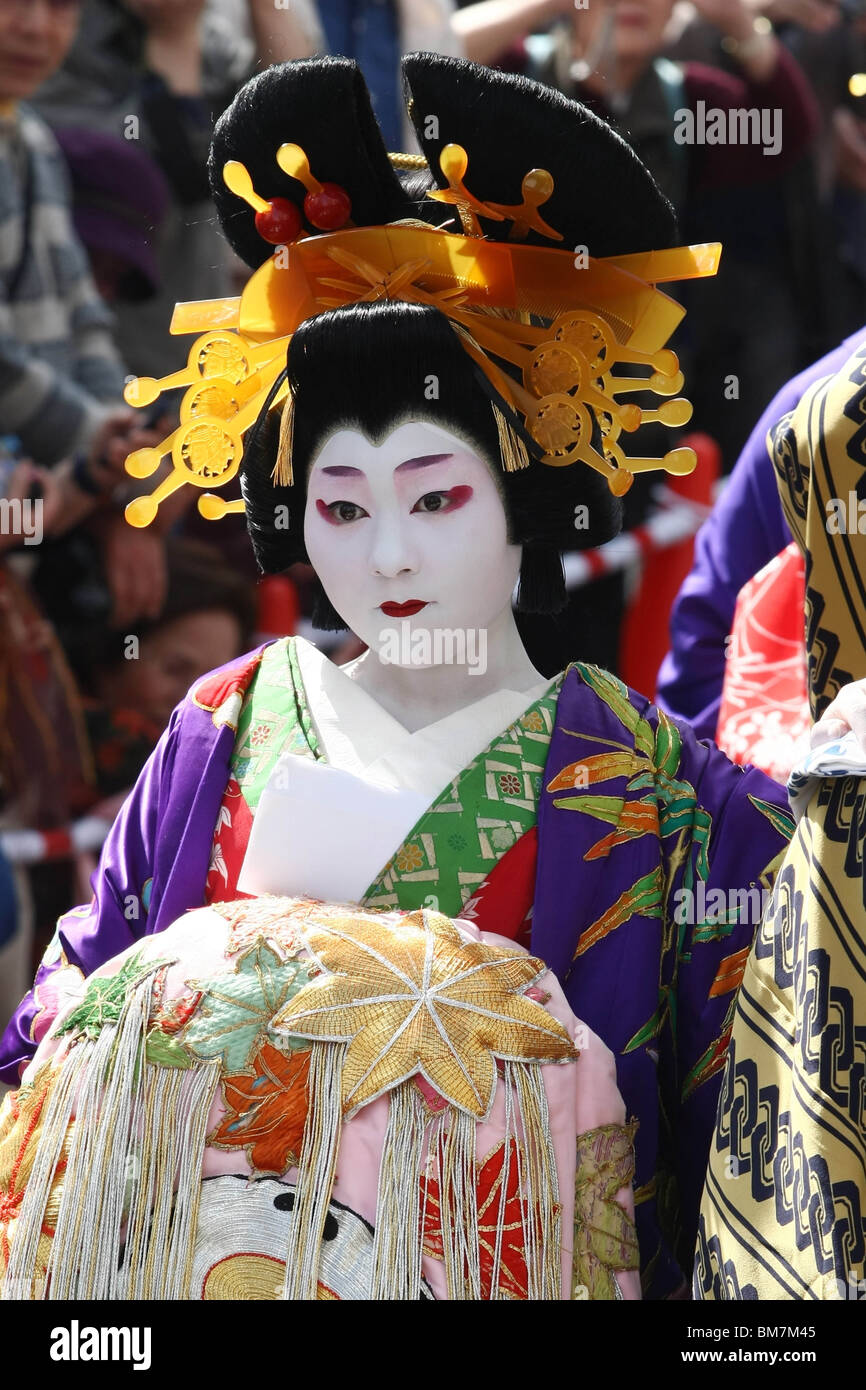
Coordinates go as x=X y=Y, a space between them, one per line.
x=561 y=324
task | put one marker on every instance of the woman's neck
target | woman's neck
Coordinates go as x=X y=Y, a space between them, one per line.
x=472 y=664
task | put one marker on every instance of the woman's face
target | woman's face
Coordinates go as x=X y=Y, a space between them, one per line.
x=638 y=26
x=409 y=535
x=170 y=659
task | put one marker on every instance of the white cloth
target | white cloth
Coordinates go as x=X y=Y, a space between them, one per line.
x=327 y=828
x=840 y=757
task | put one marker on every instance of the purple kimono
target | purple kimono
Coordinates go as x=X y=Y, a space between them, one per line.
x=653 y=856
x=744 y=532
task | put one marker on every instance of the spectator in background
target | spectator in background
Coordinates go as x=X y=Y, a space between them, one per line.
x=848 y=210
x=746 y=325
x=76 y=732
x=119 y=201
x=829 y=42
x=823 y=194
x=61 y=377
x=59 y=368
x=8 y=927
x=132 y=682
x=157 y=72
x=278 y=34
x=46 y=767
x=376 y=33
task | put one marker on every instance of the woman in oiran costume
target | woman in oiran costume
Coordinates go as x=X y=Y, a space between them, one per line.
x=425 y=366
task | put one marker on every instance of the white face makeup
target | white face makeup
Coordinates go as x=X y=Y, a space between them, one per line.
x=408 y=535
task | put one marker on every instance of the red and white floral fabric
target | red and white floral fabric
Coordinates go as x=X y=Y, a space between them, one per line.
x=764 y=717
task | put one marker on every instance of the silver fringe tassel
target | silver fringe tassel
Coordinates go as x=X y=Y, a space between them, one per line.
x=538 y=1183
x=22 y=1282
x=138 y=1145
x=528 y=1143
x=165 y=1183
x=397 y=1251
x=458 y=1208
x=317 y=1166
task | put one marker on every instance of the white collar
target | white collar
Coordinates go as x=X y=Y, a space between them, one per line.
x=359 y=736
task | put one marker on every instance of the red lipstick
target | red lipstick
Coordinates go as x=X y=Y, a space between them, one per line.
x=403 y=610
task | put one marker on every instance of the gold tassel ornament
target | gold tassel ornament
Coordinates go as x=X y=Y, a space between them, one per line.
x=283 y=474
x=512 y=450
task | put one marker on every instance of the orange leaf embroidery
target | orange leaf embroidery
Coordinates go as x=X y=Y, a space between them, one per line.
x=729 y=975
x=638 y=818
x=599 y=767
x=265 y=1112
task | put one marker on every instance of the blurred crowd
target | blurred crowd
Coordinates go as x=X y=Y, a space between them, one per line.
x=106 y=112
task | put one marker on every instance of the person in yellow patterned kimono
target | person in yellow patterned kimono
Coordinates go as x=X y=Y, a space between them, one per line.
x=784 y=1207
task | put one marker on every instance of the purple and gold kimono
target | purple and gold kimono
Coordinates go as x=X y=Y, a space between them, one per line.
x=637 y=853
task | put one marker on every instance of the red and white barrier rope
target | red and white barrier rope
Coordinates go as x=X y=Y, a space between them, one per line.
x=38 y=846
x=668 y=526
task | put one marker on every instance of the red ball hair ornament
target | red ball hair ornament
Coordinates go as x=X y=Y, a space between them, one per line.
x=280 y=223
x=329 y=208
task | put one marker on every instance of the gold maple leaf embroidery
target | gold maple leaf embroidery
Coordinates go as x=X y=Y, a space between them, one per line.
x=416 y=997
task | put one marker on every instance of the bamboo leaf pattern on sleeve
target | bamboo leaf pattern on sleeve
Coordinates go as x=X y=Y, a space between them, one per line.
x=656 y=798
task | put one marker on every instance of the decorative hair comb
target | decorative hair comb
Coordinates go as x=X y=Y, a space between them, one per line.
x=599 y=313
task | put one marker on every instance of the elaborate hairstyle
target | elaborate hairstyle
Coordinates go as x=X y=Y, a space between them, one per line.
x=603 y=197
x=518 y=344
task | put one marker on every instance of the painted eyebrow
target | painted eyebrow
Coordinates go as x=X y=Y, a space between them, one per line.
x=423 y=461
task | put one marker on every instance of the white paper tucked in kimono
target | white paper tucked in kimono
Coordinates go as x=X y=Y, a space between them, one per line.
x=375 y=782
